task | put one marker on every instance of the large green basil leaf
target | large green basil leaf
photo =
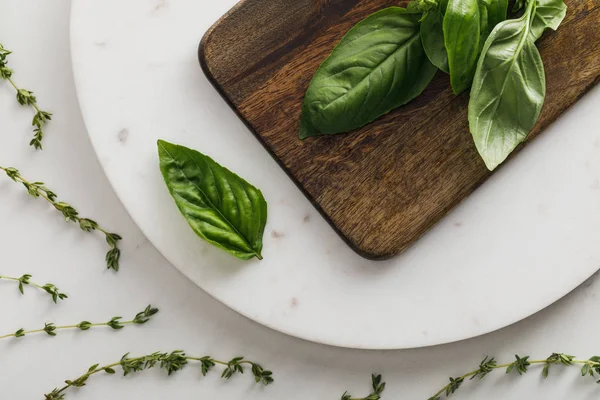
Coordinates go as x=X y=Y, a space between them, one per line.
x=508 y=90
x=379 y=65
x=549 y=14
x=462 y=31
x=432 y=36
x=221 y=207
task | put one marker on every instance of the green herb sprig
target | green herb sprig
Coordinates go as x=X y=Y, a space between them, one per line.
x=170 y=362
x=115 y=323
x=471 y=40
x=39 y=190
x=49 y=288
x=25 y=98
x=521 y=366
x=378 y=388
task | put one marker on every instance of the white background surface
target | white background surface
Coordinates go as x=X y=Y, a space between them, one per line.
x=537 y=219
x=33 y=239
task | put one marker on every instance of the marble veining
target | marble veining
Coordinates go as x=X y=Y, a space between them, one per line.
x=123 y=135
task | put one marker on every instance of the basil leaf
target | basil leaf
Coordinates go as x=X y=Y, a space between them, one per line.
x=508 y=90
x=491 y=13
x=432 y=36
x=379 y=65
x=484 y=26
x=519 y=4
x=221 y=207
x=549 y=14
x=462 y=31
x=497 y=10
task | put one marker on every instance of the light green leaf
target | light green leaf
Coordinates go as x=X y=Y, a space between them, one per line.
x=549 y=14
x=221 y=207
x=508 y=90
x=379 y=65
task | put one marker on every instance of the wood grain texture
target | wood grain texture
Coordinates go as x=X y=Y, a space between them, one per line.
x=381 y=187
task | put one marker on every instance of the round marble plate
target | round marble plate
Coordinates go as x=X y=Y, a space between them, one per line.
x=523 y=240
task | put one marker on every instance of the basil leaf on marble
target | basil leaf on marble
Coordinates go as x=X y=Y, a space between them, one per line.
x=462 y=35
x=508 y=90
x=432 y=36
x=380 y=64
x=221 y=207
x=549 y=14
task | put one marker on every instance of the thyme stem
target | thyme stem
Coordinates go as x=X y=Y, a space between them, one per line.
x=521 y=366
x=378 y=388
x=114 y=323
x=25 y=97
x=49 y=288
x=170 y=362
x=38 y=189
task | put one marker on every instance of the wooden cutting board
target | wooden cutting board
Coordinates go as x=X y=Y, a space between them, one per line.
x=383 y=186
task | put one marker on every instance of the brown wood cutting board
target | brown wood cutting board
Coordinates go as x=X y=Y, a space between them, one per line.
x=383 y=186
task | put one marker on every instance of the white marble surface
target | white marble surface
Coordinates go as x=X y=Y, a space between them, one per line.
x=532 y=228
x=33 y=239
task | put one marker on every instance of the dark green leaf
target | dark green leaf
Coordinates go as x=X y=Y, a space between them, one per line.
x=485 y=367
x=221 y=207
x=585 y=369
x=454 y=385
x=497 y=10
x=549 y=14
x=432 y=36
x=462 y=35
x=491 y=13
x=545 y=371
x=379 y=65
x=508 y=90
x=519 y=4
x=84 y=325
x=484 y=25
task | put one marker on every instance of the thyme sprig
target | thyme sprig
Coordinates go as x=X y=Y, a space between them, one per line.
x=378 y=388
x=39 y=190
x=25 y=98
x=49 y=288
x=170 y=362
x=115 y=323
x=521 y=366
